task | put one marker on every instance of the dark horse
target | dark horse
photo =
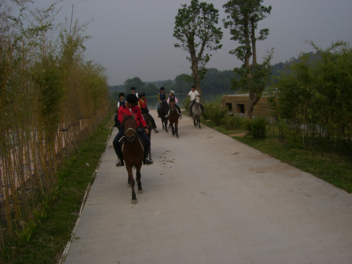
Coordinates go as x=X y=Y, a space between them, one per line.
x=132 y=153
x=150 y=127
x=173 y=118
x=162 y=113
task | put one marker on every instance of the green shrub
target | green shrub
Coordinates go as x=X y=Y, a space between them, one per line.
x=214 y=112
x=256 y=127
x=186 y=103
x=232 y=122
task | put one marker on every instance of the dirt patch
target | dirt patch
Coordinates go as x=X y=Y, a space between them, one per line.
x=282 y=167
x=238 y=135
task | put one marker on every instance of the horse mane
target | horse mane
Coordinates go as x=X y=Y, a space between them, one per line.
x=128 y=117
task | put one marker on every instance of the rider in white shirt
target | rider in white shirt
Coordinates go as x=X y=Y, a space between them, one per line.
x=193 y=93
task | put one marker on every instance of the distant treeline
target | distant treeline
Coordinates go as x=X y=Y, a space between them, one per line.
x=214 y=82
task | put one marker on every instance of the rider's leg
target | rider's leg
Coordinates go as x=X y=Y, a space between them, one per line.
x=118 y=149
x=157 y=108
x=116 y=121
x=153 y=123
x=190 y=107
x=178 y=109
x=202 y=108
x=147 y=146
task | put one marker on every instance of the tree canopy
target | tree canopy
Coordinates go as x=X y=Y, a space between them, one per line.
x=195 y=29
x=242 y=21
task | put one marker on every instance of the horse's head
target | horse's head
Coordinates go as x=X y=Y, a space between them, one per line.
x=172 y=105
x=129 y=125
x=197 y=99
x=164 y=104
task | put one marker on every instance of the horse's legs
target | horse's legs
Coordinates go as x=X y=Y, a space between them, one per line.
x=199 y=121
x=166 y=126
x=138 y=177
x=173 y=129
x=130 y=177
x=176 y=128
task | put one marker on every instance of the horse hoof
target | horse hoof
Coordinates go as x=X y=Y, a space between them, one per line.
x=134 y=201
x=177 y=137
x=140 y=191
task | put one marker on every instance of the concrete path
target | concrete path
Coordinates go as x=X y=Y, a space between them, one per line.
x=211 y=199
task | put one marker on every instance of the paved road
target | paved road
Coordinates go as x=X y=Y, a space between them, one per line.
x=211 y=199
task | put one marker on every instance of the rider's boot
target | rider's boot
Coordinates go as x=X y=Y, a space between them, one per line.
x=147 y=160
x=119 y=161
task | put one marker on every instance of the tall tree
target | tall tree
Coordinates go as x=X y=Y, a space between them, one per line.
x=134 y=82
x=196 y=31
x=242 y=21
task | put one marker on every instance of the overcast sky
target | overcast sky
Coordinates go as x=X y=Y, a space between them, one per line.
x=134 y=37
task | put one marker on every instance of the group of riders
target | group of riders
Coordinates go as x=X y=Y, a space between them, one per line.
x=136 y=104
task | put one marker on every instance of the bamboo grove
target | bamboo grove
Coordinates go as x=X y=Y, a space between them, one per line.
x=312 y=101
x=51 y=100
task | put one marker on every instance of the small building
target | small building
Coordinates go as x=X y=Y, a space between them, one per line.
x=237 y=104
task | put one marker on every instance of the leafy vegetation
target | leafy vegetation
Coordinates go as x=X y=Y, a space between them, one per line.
x=243 y=21
x=45 y=236
x=312 y=101
x=196 y=32
x=51 y=101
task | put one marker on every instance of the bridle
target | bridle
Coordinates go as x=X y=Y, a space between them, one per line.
x=130 y=139
x=195 y=100
x=172 y=107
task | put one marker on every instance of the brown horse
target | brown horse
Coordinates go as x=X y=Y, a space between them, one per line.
x=132 y=153
x=173 y=118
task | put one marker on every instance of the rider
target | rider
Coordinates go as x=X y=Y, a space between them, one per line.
x=128 y=109
x=161 y=98
x=119 y=104
x=133 y=91
x=144 y=108
x=193 y=93
x=172 y=97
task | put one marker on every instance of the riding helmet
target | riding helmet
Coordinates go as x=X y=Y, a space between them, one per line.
x=133 y=89
x=173 y=92
x=162 y=88
x=121 y=94
x=141 y=94
x=132 y=99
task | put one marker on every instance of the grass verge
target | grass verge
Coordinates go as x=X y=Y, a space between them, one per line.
x=332 y=168
x=53 y=230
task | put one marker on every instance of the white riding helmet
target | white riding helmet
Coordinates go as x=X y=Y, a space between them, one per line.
x=173 y=92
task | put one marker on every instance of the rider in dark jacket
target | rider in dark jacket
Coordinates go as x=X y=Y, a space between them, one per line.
x=119 y=104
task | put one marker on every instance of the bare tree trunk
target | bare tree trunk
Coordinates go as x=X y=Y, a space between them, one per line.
x=252 y=101
x=194 y=61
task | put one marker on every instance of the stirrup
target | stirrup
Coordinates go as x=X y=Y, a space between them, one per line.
x=148 y=161
x=119 y=163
